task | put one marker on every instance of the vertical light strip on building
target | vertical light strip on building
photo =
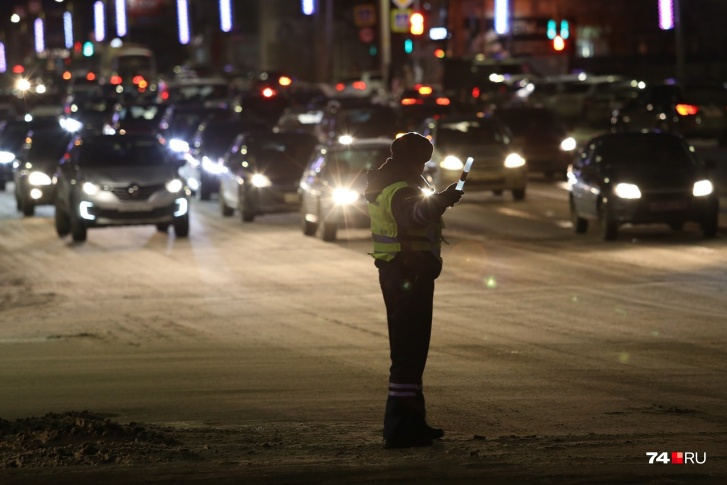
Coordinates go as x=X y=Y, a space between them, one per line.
x=666 y=14
x=99 y=21
x=3 y=61
x=68 y=29
x=183 y=21
x=308 y=7
x=225 y=16
x=502 y=16
x=39 y=36
x=121 y=29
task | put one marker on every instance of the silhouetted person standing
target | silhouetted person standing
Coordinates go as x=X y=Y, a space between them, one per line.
x=406 y=227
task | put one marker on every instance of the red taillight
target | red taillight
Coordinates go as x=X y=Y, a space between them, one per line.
x=687 y=109
x=360 y=85
x=18 y=69
x=116 y=79
x=408 y=101
x=443 y=101
x=137 y=79
x=425 y=90
x=475 y=92
x=90 y=76
x=340 y=87
x=165 y=95
x=66 y=75
x=268 y=92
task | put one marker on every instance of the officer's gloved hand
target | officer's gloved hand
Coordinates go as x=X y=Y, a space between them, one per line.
x=450 y=195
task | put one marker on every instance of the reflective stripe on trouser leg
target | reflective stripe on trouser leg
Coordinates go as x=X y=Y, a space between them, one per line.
x=404 y=390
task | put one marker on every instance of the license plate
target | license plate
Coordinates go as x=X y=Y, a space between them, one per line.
x=291 y=198
x=134 y=207
x=672 y=205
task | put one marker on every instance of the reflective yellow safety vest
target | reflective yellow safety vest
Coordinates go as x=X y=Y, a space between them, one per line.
x=389 y=239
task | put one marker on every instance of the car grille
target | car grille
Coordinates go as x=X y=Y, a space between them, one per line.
x=135 y=192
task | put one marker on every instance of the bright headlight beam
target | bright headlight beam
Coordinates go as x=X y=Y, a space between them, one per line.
x=568 y=145
x=702 y=188
x=90 y=188
x=514 y=160
x=451 y=162
x=6 y=157
x=343 y=196
x=260 y=180
x=627 y=191
x=174 y=186
x=39 y=178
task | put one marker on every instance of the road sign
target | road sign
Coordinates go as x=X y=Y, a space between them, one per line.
x=400 y=20
x=366 y=35
x=403 y=3
x=364 y=15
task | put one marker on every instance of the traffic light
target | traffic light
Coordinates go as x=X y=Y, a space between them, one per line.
x=416 y=24
x=558 y=43
x=408 y=46
x=552 y=32
x=88 y=48
x=564 y=29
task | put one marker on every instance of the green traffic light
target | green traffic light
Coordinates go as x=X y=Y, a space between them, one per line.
x=408 y=46
x=88 y=49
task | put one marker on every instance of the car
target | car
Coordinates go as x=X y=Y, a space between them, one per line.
x=180 y=122
x=497 y=164
x=420 y=102
x=35 y=163
x=119 y=180
x=332 y=186
x=542 y=138
x=203 y=164
x=12 y=139
x=605 y=98
x=641 y=178
x=261 y=173
x=196 y=90
x=137 y=118
x=693 y=110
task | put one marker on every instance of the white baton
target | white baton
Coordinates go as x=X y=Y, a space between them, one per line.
x=465 y=171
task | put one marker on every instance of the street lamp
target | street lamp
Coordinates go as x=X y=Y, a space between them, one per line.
x=121 y=28
x=183 y=21
x=99 y=20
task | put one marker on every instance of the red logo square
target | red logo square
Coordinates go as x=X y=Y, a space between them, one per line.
x=677 y=457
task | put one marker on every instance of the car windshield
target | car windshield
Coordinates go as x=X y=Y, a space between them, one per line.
x=282 y=152
x=141 y=113
x=49 y=145
x=354 y=161
x=469 y=132
x=524 y=122
x=217 y=137
x=122 y=151
x=644 y=150
x=368 y=122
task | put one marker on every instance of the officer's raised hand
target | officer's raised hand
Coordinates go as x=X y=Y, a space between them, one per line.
x=450 y=196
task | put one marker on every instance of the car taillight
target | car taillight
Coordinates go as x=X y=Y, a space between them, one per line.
x=116 y=79
x=425 y=90
x=340 y=87
x=443 y=101
x=408 y=101
x=687 y=109
x=360 y=85
x=268 y=92
x=475 y=92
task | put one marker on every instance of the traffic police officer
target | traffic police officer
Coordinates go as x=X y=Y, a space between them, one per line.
x=406 y=227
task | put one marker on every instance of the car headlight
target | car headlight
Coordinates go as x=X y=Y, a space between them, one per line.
x=179 y=146
x=627 y=191
x=174 y=186
x=210 y=166
x=260 y=180
x=702 y=188
x=568 y=145
x=39 y=178
x=514 y=160
x=40 y=88
x=23 y=84
x=72 y=125
x=343 y=196
x=6 y=157
x=345 y=139
x=90 y=188
x=451 y=162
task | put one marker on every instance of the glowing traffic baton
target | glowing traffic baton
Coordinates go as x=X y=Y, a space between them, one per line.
x=465 y=171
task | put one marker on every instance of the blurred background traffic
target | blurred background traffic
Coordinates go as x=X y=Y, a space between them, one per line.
x=282 y=105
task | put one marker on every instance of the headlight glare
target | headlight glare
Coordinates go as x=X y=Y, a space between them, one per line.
x=260 y=180
x=451 y=162
x=568 y=145
x=6 y=157
x=627 y=191
x=39 y=178
x=90 y=188
x=514 y=160
x=174 y=186
x=702 y=188
x=179 y=146
x=210 y=166
x=342 y=196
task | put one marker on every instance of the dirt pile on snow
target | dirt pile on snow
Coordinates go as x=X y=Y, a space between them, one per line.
x=83 y=438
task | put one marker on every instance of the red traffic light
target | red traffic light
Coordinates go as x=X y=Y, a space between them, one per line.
x=416 y=24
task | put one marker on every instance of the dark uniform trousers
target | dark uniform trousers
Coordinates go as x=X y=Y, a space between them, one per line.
x=408 y=291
